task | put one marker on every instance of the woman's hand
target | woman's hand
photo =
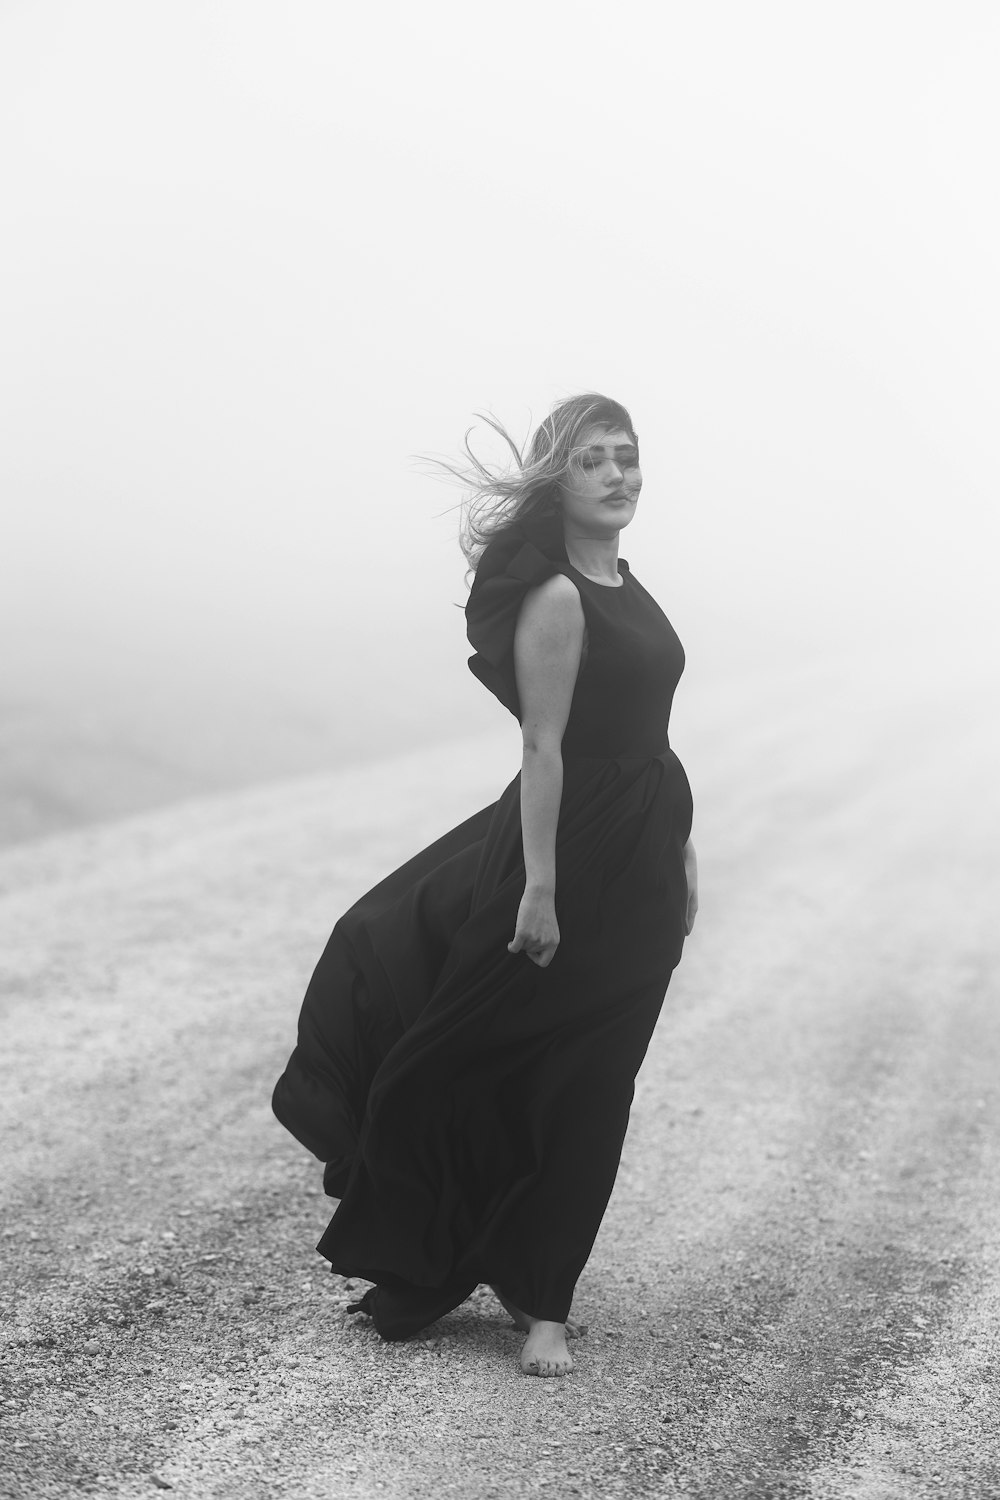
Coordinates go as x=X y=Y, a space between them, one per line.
x=537 y=932
x=691 y=871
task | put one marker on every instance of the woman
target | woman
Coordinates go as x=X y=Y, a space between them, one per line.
x=469 y=1041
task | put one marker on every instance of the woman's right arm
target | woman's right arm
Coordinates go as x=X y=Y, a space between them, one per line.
x=548 y=645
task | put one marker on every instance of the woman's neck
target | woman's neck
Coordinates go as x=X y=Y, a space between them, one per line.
x=596 y=557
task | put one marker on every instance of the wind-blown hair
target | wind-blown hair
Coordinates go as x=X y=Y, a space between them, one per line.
x=498 y=500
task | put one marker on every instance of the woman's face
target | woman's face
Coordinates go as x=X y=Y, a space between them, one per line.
x=600 y=497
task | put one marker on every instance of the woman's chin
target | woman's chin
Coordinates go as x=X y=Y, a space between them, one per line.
x=619 y=517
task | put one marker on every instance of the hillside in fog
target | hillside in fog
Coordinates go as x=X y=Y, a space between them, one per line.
x=78 y=749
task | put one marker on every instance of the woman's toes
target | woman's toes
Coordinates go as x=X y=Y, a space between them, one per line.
x=547 y=1369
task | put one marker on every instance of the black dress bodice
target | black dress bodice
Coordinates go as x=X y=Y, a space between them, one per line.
x=632 y=664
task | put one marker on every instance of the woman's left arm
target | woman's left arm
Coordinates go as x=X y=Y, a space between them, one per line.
x=691 y=871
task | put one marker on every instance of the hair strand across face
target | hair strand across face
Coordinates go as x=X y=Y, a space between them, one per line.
x=527 y=493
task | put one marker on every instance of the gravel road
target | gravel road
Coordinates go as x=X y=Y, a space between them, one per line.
x=796 y=1290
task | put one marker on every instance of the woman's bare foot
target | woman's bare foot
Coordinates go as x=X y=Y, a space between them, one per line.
x=545 y=1351
x=524 y=1322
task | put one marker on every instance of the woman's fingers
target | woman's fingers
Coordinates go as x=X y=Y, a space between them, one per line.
x=691 y=872
x=540 y=951
x=692 y=912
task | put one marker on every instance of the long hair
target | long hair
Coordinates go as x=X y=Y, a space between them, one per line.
x=526 y=494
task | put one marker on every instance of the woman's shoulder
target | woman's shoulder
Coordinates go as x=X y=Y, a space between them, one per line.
x=557 y=591
x=552 y=605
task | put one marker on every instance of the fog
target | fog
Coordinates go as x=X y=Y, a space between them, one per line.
x=258 y=258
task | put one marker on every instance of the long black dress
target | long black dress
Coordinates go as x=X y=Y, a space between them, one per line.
x=470 y=1106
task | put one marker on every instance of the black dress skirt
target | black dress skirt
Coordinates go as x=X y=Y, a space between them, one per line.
x=471 y=1107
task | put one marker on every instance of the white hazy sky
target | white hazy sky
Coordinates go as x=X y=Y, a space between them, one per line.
x=256 y=255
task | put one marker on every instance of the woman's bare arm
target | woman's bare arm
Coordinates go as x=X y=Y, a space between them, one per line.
x=548 y=644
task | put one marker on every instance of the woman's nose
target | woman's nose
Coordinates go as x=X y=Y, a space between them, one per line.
x=615 y=474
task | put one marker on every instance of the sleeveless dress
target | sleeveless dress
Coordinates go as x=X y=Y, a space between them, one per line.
x=471 y=1107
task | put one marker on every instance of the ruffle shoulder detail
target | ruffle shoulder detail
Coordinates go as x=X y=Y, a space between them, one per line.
x=508 y=568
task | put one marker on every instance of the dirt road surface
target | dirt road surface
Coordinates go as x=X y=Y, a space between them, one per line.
x=796 y=1290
